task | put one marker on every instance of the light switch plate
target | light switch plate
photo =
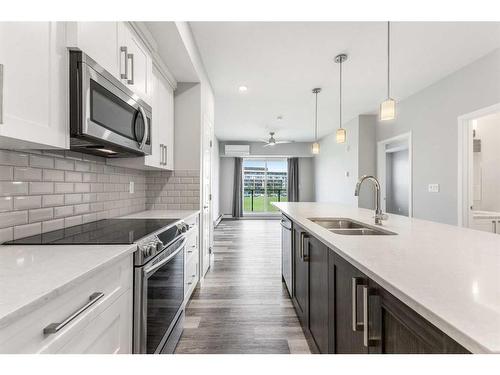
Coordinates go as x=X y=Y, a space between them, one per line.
x=131 y=187
x=433 y=188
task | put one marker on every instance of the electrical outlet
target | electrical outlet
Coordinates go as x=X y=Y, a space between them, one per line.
x=131 y=187
x=433 y=188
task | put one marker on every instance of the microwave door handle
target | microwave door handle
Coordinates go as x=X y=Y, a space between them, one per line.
x=146 y=128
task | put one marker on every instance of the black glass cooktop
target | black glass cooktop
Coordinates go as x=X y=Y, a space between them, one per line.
x=102 y=232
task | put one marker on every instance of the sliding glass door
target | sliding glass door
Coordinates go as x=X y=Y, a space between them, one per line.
x=264 y=181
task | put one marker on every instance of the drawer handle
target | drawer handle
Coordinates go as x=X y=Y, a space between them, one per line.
x=56 y=327
x=356 y=281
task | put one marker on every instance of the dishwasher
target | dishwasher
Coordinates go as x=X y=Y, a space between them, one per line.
x=286 y=252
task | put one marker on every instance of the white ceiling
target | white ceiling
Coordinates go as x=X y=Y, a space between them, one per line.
x=281 y=62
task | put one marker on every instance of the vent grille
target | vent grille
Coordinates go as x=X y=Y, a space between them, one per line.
x=476 y=146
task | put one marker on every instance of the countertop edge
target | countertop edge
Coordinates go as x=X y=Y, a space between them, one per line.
x=463 y=339
x=29 y=306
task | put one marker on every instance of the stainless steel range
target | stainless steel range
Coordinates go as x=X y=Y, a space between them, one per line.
x=158 y=272
x=159 y=290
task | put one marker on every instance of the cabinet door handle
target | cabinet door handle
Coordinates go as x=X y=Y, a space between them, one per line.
x=56 y=327
x=166 y=155
x=365 y=316
x=130 y=56
x=1 y=93
x=494 y=226
x=355 y=282
x=123 y=50
x=161 y=154
x=303 y=237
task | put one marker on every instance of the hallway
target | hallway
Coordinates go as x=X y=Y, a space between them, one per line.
x=242 y=305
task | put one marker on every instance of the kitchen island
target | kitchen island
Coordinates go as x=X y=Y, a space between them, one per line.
x=447 y=275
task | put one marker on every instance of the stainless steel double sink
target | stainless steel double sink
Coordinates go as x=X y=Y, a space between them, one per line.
x=345 y=226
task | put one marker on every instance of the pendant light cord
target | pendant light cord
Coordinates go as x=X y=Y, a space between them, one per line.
x=316 y=120
x=340 y=96
x=388 y=59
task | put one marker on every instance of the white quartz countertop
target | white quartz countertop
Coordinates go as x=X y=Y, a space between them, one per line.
x=449 y=275
x=162 y=214
x=32 y=275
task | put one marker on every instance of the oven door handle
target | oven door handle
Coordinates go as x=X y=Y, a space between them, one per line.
x=154 y=267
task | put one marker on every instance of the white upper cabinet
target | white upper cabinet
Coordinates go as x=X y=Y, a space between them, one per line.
x=116 y=47
x=163 y=124
x=99 y=40
x=139 y=65
x=33 y=85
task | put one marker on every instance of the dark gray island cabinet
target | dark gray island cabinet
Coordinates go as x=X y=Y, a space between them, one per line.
x=343 y=311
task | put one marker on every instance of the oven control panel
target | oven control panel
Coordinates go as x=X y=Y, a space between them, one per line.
x=154 y=244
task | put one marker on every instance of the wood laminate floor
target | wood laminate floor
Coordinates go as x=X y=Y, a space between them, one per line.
x=242 y=305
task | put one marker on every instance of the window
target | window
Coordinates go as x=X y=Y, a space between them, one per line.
x=264 y=181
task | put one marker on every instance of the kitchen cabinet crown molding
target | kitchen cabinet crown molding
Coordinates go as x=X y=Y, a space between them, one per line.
x=152 y=46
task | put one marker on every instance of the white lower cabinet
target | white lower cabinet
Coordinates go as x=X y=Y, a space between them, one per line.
x=33 y=85
x=192 y=258
x=491 y=225
x=103 y=327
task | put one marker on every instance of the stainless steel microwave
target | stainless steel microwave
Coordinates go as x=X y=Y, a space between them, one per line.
x=106 y=117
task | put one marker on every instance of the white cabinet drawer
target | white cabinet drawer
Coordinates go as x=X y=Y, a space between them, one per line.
x=26 y=334
x=192 y=246
x=191 y=277
x=108 y=333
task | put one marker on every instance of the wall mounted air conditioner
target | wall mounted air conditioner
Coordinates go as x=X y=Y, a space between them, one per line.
x=237 y=150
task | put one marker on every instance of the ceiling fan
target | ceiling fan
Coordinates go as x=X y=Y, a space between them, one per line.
x=272 y=141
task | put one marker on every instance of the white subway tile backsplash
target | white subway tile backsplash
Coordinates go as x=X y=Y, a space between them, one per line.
x=63 y=211
x=39 y=161
x=13 y=158
x=6 y=204
x=64 y=164
x=25 y=202
x=49 y=190
x=27 y=230
x=11 y=218
x=13 y=188
x=73 y=220
x=50 y=225
x=41 y=214
x=63 y=187
x=53 y=175
x=53 y=200
x=6 y=173
x=41 y=187
x=6 y=234
x=72 y=176
x=27 y=174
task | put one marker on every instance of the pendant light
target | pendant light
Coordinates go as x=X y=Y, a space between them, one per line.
x=315 y=145
x=388 y=107
x=340 y=136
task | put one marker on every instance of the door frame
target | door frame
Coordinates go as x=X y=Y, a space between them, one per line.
x=465 y=162
x=381 y=168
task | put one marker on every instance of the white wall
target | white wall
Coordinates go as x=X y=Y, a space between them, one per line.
x=187 y=113
x=367 y=157
x=488 y=131
x=431 y=115
x=306 y=179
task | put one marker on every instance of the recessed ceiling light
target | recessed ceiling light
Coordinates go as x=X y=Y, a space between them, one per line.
x=279 y=118
x=243 y=88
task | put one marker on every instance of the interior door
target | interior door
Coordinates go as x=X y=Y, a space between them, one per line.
x=206 y=196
